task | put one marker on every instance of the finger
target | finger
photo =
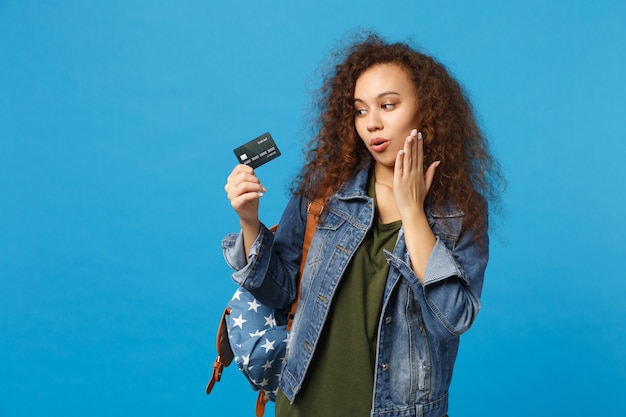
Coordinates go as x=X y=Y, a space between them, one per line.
x=236 y=190
x=245 y=178
x=415 y=137
x=409 y=151
x=419 y=151
x=242 y=170
x=239 y=177
x=399 y=165
x=430 y=174
x=236 y=187
x=243 y=199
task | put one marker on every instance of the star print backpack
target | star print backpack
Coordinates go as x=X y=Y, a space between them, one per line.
x=255 y=335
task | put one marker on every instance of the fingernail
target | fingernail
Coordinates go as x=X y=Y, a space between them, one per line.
x=260 y=194
x=419 y=136
x=409 y=139
x=437 y=163
x=414 y=132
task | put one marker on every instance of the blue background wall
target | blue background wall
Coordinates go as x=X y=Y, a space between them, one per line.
x=117 y=124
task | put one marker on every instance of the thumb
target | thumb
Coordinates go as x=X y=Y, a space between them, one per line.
x=430 y=174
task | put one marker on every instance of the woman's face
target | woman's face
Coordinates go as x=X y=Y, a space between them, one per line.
x=385 y=105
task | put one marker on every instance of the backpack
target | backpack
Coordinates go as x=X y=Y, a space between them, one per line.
x=255 y=335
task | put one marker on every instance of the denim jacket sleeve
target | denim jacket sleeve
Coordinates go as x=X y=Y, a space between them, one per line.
x=453 y=279
x=271 y=268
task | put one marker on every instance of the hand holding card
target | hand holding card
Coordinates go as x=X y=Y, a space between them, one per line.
x=258 y=151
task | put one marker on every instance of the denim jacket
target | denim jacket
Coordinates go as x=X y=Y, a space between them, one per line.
x=420 y=324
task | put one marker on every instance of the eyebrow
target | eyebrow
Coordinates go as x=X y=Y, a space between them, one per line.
x=381 y=95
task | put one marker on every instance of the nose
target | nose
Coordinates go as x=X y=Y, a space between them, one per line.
x=373 y=122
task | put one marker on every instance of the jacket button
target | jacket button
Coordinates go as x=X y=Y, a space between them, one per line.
x=387 y=319
x=385 y=366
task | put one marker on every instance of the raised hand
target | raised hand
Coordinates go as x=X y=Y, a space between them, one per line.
x=410 y=183
x=244 y=191
x=410 y=187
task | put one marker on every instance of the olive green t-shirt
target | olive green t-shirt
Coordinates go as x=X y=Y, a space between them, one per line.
x=340 y=380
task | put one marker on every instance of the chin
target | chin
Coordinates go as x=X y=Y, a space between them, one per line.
x=386 y=163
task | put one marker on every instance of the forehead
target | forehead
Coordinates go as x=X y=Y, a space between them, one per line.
x=382 y=78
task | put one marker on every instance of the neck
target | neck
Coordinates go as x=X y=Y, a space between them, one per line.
x=384 y=175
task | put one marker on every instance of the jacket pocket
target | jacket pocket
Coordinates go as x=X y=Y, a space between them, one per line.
x=329 y=222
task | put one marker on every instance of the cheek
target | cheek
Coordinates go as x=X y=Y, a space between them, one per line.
x=408 y=120
x=361 y=128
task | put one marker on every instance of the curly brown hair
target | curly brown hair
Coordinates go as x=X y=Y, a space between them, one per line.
x=468 y=174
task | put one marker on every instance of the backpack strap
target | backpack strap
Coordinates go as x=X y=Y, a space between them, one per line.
x=314 y=212
x=261 y=400
x=224 y=352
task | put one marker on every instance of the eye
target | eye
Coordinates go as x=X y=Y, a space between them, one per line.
x=388 y=106
x=360 y=112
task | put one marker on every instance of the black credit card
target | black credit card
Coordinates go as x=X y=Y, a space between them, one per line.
x=258 y=151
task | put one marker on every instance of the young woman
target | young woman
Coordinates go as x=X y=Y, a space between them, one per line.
x=395 y=270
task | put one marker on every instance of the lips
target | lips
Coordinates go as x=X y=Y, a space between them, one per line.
x=379 y=144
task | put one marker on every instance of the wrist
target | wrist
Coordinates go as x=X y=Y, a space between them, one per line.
x=415 y=216
x=417 y=224
x=252 y=224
